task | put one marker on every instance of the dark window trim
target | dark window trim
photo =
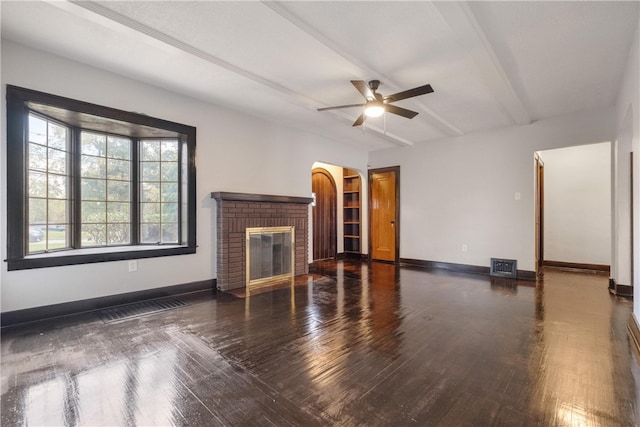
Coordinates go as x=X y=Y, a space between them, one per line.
x=18 y=101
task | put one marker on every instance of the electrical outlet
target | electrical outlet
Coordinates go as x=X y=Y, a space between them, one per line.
x=133 y=266
x=517 y=195
x=464 y=247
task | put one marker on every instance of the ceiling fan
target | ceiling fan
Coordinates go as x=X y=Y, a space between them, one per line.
x=377 y=104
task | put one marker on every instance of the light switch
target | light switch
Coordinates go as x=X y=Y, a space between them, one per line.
x=517 y=195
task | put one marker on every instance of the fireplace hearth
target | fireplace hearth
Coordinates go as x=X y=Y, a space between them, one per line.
x=238 y=212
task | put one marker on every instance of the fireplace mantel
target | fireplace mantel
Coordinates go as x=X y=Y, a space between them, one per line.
x=265 y=198
x=238 y=211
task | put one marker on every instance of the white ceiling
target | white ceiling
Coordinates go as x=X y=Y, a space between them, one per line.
x=491 y=64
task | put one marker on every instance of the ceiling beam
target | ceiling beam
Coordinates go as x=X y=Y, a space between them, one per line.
x=110 y=19
x=469 y=34
x=429 y=115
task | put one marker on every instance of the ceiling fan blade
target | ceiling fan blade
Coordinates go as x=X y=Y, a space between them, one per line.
x=416 y=91
x=400 y=111
x=364 y=89
x=340 y=106
x=359 y=120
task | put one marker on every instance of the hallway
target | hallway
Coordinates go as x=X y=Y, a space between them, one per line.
x=351 y=344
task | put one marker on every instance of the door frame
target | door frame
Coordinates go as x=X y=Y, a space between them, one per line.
x=371 y=172
x=334 y=242
x=631 y=223
x=539 y=216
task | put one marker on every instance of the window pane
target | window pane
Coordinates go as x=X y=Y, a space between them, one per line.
x=150 y=192
x=57 y=161
x=57 y=237
x=150 y=212
x=118 y=212
x=37 y=211
x=48 y=185
x=169 y=171
x=169 y=150
x=36 y=239
x=169 y=192
x=93 y=189
x=150 y=171
x=150 y=151
x=37 y=184
x=118 y=191
x=119 y=148
x=57 y=186
x=118 y=169
x=94 y=234
x=169 y=233
x=57 y=212
x=57 y=136
x=118 y=234
x=112 y=194
x=150 y=233
x=160 y=184
x=93 y=167
x=169 y=212
x=184 y=186
x=37 y=157
x=94 y=212
x=37 y=130
x=93 y=144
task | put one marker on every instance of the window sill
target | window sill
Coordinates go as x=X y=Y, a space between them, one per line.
x=92 y=255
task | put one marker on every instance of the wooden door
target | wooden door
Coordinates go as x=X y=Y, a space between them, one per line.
x=384 y=214
x=324 y=214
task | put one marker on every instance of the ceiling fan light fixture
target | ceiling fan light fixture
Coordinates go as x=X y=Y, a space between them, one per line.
x=376 y=104
x=374 y=109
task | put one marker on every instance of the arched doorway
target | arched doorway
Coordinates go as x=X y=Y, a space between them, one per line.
x=324 y=214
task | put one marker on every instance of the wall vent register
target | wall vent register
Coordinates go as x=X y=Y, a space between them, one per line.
x=504 y=268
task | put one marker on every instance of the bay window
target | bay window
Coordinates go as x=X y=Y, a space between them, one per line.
x=89 y=183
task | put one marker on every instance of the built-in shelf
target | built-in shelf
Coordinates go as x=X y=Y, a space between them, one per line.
x=352 y=203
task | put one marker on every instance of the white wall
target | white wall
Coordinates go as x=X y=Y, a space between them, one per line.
x=628 y=129
x=461 y=190
x=621 y=201
x=577 y=204
x=234 y=152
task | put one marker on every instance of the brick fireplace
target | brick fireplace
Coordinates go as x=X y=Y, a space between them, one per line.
x=238 y=211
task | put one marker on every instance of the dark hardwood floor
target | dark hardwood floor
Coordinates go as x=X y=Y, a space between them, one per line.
x=356 y=344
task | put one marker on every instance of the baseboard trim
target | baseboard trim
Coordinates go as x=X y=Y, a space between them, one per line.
x=16 y=317
x=461 y=268
x=620 y=290
x=577 y=265
x=352 y=255
x=528 y=275
x=634 y=333
x=624 y=290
